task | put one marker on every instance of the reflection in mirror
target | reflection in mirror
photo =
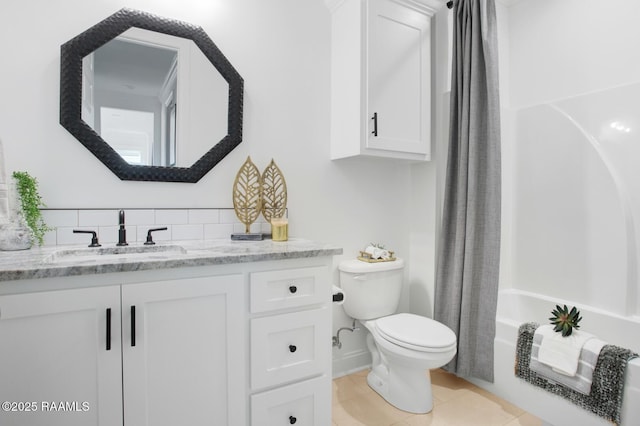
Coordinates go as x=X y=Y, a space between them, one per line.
x=133 y=88
x=152 y=98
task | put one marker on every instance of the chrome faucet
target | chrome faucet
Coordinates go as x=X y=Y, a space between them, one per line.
x=122 y=232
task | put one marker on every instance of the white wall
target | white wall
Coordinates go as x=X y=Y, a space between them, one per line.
x=281 y=49
x=427 y=179
x=573 y=70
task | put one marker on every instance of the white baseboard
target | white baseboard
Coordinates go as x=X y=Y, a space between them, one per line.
x=350 y=363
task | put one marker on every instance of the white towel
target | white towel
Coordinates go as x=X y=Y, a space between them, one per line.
x=581 y=382
x=561 y=353
x=377 y=252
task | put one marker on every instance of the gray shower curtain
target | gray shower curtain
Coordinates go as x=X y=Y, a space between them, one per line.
x=466 y=285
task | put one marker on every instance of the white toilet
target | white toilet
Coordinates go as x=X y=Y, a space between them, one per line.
x=403 y=346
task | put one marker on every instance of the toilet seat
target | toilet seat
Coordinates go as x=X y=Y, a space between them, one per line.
x=416 y=332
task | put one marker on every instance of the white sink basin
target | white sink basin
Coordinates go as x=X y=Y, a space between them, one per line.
x=87 y=255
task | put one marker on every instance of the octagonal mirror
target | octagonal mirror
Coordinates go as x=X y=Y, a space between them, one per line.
x=153 y=98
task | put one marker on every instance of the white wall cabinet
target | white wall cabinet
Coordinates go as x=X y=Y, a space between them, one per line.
x=381 y=78
x=178 y=360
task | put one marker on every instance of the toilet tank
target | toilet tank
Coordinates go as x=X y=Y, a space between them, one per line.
x=371 y=290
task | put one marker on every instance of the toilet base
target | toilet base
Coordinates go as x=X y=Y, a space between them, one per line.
x=401 y=376
x=403 y=388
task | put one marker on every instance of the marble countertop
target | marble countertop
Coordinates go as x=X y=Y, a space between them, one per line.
x=61 y=261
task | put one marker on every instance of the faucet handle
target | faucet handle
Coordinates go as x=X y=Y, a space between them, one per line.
x=150 y=241
x=94 y=237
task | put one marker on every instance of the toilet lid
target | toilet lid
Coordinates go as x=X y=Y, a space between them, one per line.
x=416 y=332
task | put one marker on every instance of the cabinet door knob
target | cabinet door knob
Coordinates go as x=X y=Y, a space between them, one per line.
x=292 y=348
x=293 y=289
x=292 y=420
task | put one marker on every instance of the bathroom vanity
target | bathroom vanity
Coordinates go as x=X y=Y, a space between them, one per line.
x=213 y=332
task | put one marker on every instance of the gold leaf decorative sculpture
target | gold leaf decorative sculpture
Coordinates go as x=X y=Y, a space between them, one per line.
x=274 y=192
x=247 y=194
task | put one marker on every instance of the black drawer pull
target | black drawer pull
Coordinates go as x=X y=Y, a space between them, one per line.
x=108 y=329
x=293 y=289
x=133 y=325
x=292 y=420
x=292 y=348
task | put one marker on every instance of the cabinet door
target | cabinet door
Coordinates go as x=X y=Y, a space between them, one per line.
x=57 y=365
x=398 y=73
x=183 y=353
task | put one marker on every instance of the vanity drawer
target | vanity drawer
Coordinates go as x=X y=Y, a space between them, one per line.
x=289 y=288
x=290 y=347
x=306 y=403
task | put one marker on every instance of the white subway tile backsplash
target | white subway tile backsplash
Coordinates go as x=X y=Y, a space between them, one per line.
x=265 y=228
x=228 y=216
x=182 y=224
x=97 y=217
x=217 y=230
x=55 y=218
x=173 y=216
x=139 y=217
x=187 y=232
x=204 y=216
x=50 y=238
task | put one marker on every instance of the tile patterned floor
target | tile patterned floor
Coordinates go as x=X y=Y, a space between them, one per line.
x=456 y=403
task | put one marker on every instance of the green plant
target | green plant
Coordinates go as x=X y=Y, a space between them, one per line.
x=31 y=202
x=564 y=320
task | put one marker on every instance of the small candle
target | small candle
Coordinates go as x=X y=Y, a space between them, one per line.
x=279 y=229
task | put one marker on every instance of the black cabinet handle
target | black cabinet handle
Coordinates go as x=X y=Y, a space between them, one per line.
x=293 y=289
x=292 y=348
x=375 y=124
x=292 y=420
x=133 y=325
x=108 y=329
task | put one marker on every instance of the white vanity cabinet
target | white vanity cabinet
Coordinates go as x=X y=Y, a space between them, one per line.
x=157 y=353
x=381 y=78
x=236 y=344
x=290 y=347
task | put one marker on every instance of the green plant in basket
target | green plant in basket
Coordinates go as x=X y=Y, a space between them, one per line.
x=565 y=320
x=31 y=202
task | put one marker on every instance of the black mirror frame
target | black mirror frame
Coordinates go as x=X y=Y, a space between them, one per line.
x=71 y=54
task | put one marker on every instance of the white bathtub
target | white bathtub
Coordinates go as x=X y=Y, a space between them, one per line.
x=516 y=307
